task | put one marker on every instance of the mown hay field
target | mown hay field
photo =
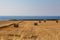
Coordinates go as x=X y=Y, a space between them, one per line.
x=30 y=30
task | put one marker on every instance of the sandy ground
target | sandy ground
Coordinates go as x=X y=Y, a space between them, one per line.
x=30 y=30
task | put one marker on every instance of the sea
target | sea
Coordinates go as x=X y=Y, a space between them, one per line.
x=28 y=17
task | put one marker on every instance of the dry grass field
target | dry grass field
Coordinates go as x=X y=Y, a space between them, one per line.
x=30 y=30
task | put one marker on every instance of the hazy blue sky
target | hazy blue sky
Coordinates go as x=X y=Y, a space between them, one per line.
x=30 y=7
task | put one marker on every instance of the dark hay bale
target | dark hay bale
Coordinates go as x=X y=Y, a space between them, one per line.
x=16 y=25
x=35 y=24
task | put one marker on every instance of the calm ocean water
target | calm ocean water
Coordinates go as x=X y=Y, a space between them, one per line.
x=28 y=17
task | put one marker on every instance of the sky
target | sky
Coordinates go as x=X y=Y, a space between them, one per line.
x=29 y=7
